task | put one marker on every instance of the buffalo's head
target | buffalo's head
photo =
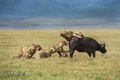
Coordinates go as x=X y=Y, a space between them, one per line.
x=103 y=50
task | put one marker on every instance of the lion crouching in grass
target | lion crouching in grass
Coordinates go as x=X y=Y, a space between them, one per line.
x=28 y=51
x=45 y=53
x=56 y=48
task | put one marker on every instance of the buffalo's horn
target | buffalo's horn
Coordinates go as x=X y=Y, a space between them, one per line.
x=104 y=43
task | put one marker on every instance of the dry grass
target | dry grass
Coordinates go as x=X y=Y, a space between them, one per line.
x=81 y=67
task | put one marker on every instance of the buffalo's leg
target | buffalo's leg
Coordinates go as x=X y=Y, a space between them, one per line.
x=89 y=54
x=93 y=54
x=69 y=47
x=71 y=53
x=59 y=54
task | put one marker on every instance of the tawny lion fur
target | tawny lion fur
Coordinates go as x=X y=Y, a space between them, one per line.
x=28 y=51
x=69 y=34
x=48 y=52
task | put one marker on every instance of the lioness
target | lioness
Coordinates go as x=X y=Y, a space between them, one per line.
x=59 y=49
x=28 y=51
x=69 y=34
x=45 y=53
x=48 y=52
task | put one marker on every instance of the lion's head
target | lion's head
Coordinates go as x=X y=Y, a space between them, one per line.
x=64 y=43
x=66 y=34
x=37 y=47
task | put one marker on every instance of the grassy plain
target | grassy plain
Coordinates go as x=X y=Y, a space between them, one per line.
x=81 y=67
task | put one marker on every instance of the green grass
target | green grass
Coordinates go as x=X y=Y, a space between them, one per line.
x=81 y=67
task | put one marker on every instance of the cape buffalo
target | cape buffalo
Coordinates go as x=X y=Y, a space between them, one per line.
x=85 y=44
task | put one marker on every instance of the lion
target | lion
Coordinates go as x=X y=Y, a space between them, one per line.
x=59 y=49
x=69 y=34
x=28 y=51
x=66 y=34
x=45 y=53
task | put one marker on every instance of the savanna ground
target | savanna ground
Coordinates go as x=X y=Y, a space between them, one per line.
x=80 y=67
